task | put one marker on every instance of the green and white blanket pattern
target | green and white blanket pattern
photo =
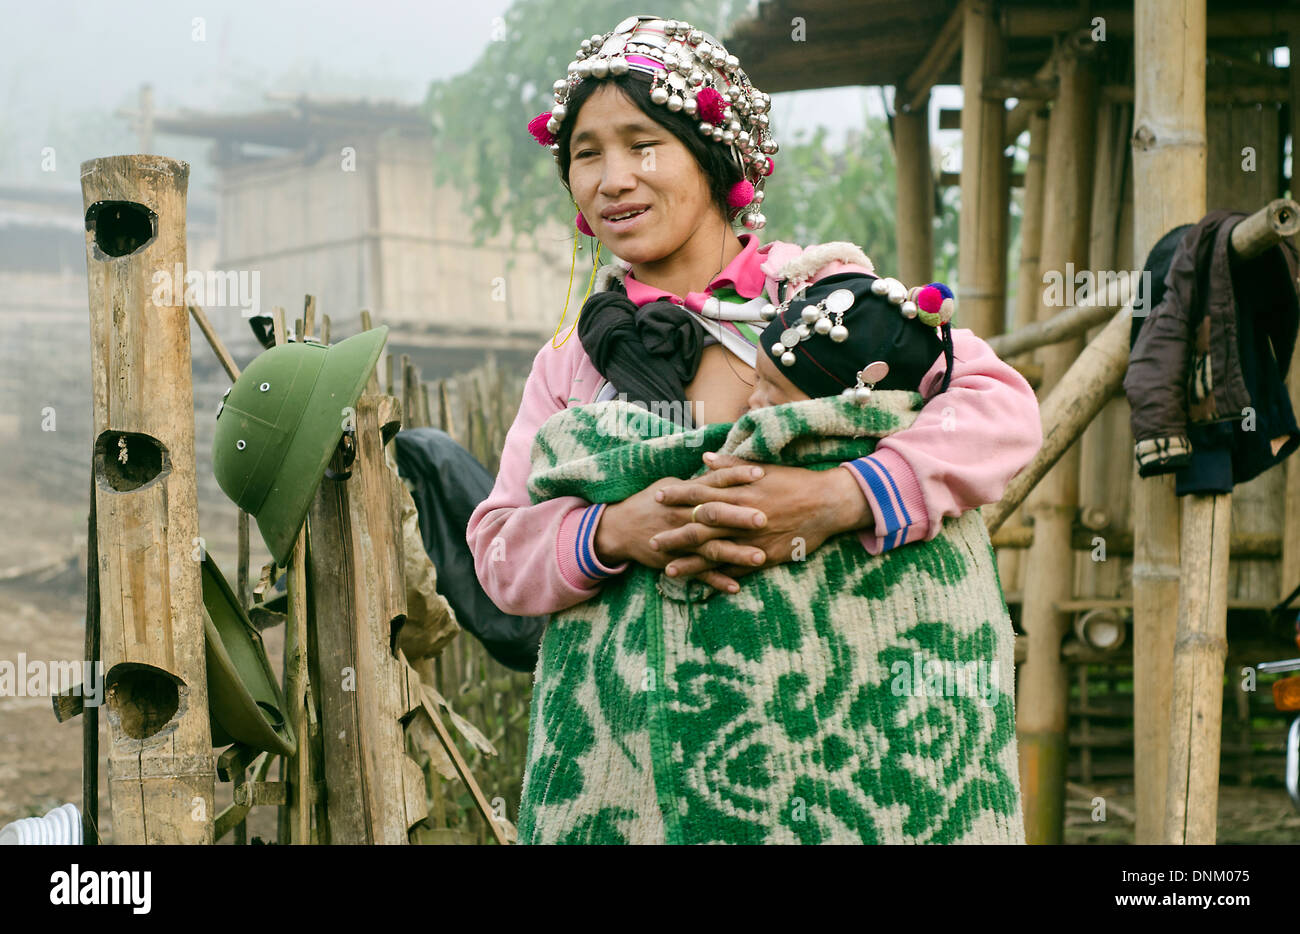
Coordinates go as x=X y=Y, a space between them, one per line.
x=842 y=698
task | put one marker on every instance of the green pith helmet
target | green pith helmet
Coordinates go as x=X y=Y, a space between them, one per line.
x=244 y=700
x=279 y=424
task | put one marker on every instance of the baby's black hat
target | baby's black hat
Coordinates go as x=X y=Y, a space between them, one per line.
x=877 y=330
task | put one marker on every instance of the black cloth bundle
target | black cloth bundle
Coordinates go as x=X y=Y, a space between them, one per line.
x=650 y=353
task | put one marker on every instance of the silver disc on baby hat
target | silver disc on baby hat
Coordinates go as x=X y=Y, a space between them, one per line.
x=874 y=372
x=790 y=337
x=839 y=300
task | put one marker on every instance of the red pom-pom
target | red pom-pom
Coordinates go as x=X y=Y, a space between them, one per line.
x=537 y=127
x=740 y=194
x=929 y=299
x=710 y=105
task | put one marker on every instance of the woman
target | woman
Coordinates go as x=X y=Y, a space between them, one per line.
x=669 y=324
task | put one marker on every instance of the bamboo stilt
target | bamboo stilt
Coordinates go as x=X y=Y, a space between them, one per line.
x=1170 y=189
x=1200 y=648
x=1042 y=685
x=1192 y=783
x=915 y=194
x=1029 y=288
x=146 y=503
x=981 y=252
x=1104 y=478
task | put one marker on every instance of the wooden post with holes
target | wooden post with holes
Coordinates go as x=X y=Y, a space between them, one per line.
x=161 y=770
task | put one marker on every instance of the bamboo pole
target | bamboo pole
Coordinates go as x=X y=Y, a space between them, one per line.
x=915 y=194
x=161 y=773
x=1029 y=334
x=214 y=341
x=1031 y=230
x=1200 y=647
x=1042 y=685
x=1104 y=478
x=1169 y=189
x=981 y=253
x=1066 y=325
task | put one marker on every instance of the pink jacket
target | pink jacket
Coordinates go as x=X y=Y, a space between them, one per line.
x=964 y=447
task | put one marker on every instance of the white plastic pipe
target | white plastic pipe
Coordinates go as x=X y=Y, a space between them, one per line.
x=60 y=827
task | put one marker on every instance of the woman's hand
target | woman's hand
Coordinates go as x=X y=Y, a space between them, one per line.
x=801 y=508
x=626 y=527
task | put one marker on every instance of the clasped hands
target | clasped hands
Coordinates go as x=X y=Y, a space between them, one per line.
x=749 y=516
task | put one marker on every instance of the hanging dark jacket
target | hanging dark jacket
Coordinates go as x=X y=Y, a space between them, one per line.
x=1207 y=365
x=448 y=484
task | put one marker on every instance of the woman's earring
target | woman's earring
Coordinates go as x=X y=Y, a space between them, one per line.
x=581 y=223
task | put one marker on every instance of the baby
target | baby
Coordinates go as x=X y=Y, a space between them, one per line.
x=849 y=333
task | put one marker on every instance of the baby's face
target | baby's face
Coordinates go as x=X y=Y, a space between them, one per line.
x=772 y=388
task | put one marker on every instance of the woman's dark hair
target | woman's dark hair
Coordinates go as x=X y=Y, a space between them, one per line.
x=714 y=160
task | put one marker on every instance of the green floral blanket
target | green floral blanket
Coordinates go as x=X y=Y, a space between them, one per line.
x=842 y=698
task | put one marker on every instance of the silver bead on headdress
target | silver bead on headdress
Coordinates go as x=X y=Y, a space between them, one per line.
x=693 y=74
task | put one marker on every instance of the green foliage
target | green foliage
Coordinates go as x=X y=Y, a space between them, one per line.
x=818 y=193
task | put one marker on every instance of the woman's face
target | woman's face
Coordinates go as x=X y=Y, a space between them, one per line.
x=771 y=387
x=620 y=161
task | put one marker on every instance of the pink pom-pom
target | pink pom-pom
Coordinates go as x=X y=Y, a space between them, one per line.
x=710 y=105
x=740 y=194
x=929 y=299
x=581 y=223
x=537 y=127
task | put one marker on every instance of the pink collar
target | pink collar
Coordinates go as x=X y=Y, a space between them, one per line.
x=744 y=274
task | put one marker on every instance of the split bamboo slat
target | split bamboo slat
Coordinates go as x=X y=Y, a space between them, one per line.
x=161 y=772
